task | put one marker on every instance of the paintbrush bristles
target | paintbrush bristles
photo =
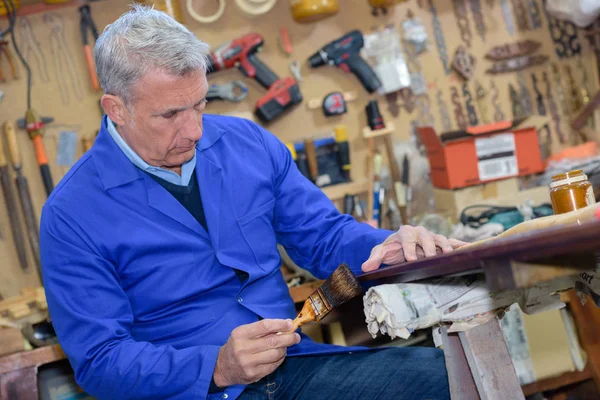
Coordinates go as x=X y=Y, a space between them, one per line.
x=341 y=286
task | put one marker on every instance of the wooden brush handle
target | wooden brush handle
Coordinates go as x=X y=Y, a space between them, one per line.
x=13 y=146
x=307 y=314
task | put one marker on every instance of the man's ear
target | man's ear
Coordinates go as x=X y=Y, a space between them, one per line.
x=114 y=108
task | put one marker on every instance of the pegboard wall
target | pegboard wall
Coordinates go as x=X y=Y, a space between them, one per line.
x=62 y=89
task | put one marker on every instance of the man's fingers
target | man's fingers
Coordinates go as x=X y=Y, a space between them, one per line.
x=269 y=356
x=274 y=341
x=455 y=243
x=443 y=243
x=375 y=259
x=427 y=242
x=262 y=328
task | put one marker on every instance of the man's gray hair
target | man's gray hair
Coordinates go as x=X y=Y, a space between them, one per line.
x=144 y=39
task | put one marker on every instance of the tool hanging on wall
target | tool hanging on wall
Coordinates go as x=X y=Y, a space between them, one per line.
x=526 y=99
x=333 y=103
x=459 y=114
x=343 y=149
x=234 y=91
x=513 y=49
x=482 y=104
x=24 y=195
x=12 y=210
x=284 y=41
x=478 y=18
x=6 y=53
x=508 y=17
x=471 y=112
x=30 y=48
x=535 y=16
x=440 y=41
x=517 y=64
x=517 y=108
x=498 y=114
x=462 y=21
x=36 y=130
x=64 y=66
x=564 y=35
x=520 y=15
x=296 y=70
x=305 y=11
x=553 y=108
x=87 y=23
x=464 y=63
x=443 y=108
x=539 y=98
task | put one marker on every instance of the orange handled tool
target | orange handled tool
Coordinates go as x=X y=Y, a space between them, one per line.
x=35 y=128
x=86 y=22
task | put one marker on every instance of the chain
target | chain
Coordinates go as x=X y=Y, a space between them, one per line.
x=471 y=112
x=564 y=36
x=520 y=15
x=560 y=93
x=498 y=114
x=481 y=98
x=538 y=95
x=553 y=108
x=478 y=18
x=535 y=16
x=460 y=10
x=517 y=107
x=440 y=41
x=459 y=114
x=424 y=106
x=526 y=99
x=444 y=115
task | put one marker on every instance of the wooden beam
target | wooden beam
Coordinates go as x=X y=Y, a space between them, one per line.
x=586 y=113
x=460 y=379
x=33 y=358
x=19 y=385
x=557 y=382
x=492 y=368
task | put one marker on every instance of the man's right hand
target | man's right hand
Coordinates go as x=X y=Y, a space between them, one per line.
x=253 y=351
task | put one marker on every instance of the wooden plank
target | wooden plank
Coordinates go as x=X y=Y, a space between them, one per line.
x=337 y=192
x=490 y=362
x=33 y=358
x=527 y=247
x=460 y=379
x=565 y=379
x=587 y=320
x=19 y=385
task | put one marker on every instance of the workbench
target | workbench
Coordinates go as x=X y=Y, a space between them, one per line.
x=478 y=362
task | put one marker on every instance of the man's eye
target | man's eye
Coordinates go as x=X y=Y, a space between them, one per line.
x=201 y=105
x=169 y=115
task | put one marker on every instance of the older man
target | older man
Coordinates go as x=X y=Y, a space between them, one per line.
x=159 y=246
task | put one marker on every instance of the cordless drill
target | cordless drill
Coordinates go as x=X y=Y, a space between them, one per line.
x=281 y=94
x=345 y=54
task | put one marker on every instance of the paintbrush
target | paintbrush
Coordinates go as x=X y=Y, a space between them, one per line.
x=340 y=287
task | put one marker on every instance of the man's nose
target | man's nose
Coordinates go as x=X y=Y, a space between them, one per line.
x=192 y=128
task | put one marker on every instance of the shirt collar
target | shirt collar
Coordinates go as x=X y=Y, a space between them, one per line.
x=187 y=169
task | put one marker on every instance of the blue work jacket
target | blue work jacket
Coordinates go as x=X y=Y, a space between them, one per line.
x=142 y=296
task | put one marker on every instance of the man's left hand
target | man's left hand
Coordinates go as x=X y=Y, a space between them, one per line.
x=402 y=246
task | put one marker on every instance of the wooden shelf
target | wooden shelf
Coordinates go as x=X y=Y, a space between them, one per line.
x=337 y=192
x=32 y=358
x=557 y=382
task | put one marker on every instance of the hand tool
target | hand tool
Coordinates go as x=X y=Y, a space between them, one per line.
x=517 y=64
x=311 y=159
x=11 y=62
x=234 y=91
x=12 y=209
x=32 y=47
x=344 y=53
x=340 y=287
x=86 y=22
x=282 y=94
x=520 y=15
x=333 y=103
x=284 y=42
x=539 y=99
x=440 y=41
x=296 y=70
x=512 y=50
x=553 y=109
x=24 y=194
x=35 y=128
x=535 y=16
x=21 y=124
x=478 y=18
x=462 y=20
x=299 y=159
x=508 y=17
x=498 y=114
x=341 y=138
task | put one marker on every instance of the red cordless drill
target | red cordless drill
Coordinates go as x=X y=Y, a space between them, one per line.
x=344 y=53
x=281 y=95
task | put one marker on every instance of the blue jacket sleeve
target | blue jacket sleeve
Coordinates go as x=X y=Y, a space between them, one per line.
x=313 y=232
x=93 y=320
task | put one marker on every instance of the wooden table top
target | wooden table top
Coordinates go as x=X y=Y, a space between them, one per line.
x=570 y=241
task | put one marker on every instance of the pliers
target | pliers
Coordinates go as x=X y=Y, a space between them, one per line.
x=86 y=22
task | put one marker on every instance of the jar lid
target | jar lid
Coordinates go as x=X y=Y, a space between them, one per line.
x=568 y=178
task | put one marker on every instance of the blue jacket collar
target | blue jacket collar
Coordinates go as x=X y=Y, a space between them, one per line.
x=115 y=169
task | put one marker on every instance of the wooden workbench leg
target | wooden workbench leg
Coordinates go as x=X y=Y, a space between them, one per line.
x=19 y=385
x=492 y=368
x=462 y=385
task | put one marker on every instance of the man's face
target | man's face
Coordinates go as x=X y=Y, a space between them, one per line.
x=166 y=119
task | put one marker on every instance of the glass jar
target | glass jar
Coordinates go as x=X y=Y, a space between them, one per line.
x=571 y=191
